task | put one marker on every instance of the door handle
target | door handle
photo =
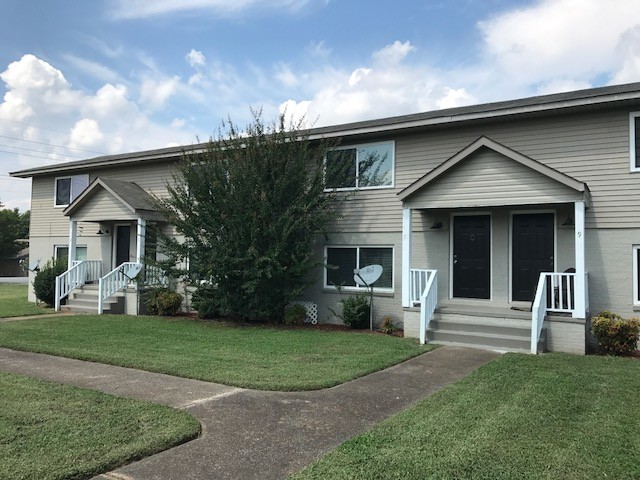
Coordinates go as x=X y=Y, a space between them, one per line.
x=455 y=259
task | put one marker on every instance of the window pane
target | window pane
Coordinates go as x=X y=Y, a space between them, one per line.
x=78 y=184
x=379 y=256
x=81 y=253
x=637 y=136
x=345 y=261
x=341 y=168
x=63 y=191
x=375 y=165
x=62 y=252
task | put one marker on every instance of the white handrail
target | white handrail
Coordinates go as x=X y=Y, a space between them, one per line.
x=538 y=311
x=418 y=282
x=154 y=276
x=428 y=303
x=81 y=272
x=112 y=282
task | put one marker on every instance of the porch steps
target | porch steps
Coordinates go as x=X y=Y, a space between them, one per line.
x=493 y=329
x=85 y=300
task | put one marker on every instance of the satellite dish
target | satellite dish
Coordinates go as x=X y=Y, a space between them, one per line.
x=131 y=270
x=34 y=266
x=367 y=275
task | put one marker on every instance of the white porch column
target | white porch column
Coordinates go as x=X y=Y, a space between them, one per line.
x=141 y=234
x=580 y=286
x=73 y=230
x=406 y=257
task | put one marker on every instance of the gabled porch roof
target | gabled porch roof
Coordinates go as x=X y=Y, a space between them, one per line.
x=107 y=200
x=487 y=173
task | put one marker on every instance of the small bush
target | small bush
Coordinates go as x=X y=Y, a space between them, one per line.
x=44 y=285
x=161 y=301
x=387 y=326
x=616 y=335
x=355 y=311
x=295 y=315
x=205 y=301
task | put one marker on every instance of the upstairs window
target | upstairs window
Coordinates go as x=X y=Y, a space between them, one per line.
x=363 y=166
x=634 y=141
x=341 y=261
x=67 y=189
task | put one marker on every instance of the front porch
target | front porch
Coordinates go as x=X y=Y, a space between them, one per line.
x=493 y=247
x=110 y=283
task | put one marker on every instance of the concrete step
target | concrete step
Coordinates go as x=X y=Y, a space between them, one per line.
x=494 y=329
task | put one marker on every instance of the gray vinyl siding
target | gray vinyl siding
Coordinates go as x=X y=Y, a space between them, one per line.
x=47 y=220
x=488 y=178
x=592 y=147
x=102 y=206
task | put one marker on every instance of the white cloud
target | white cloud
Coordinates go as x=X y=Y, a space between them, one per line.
x=628 y=54
x=571 y=39
x=95 y=69
x=318 y=49
x=394 y=53
x=154 y=93
x=196 y=58
x=128 y=9
x=285 y=76
x=85 y=134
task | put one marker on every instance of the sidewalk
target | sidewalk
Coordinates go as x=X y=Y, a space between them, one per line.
x=250 y=434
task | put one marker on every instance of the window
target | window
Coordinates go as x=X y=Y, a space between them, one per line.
x=634 y=141
x=341 y=261
x=364 y=166
x=636 y=275
x=60 y=251
x=68 y=189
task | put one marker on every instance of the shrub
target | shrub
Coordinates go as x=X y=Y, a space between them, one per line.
x=161 y=301
x=44 y=285
x=387 y=326
x=205 y=301
x=616 y=335
x=355 y=311
x=295 y=314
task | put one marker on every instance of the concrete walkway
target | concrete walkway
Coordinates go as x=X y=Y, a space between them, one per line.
x=250 y=434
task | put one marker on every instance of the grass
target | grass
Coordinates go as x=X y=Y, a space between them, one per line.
x=14 y=303
x=526 y=417
x=246 y=356
x=52 y=431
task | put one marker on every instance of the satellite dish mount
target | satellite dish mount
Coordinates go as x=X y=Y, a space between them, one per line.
x=366 y=277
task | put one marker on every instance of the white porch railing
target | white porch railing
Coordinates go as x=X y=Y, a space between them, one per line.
x=555 y=293
x=112 y=282
x=83 y=271
x=154 y=276
x=424 y=291
x=418 y=282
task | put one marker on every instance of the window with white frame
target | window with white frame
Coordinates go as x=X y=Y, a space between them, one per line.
x=361 y=166
x=67 y=189
x=636 y=275
x=341 y=261
x=60 y=251
x=634 y=141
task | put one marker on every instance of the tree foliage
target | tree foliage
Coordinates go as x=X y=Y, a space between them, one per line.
x=250 y=209
x=14 y=226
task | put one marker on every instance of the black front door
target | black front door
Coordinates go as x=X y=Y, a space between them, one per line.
x=472 y=256
x=532 y=252
x=123 y=244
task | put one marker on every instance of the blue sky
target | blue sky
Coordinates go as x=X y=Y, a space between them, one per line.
x=82 y=78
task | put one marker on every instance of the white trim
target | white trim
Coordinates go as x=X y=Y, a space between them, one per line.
x=636 y=296
x=72 y=198
x=580 y=306
x=451 y=234
x=359 y=288
x=356 y=147
x=555 y=242
x=632 y=142
x=407 y=240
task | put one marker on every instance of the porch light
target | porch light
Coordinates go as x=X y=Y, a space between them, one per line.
x=437 y=225
x=102 y=232
x=568 y=222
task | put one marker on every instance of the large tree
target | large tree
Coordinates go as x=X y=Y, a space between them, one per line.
x=249 y=210
x=14 y=226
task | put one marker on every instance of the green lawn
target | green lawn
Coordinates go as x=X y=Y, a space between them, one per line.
x=53 y=431
x=246 y=356
x=552 y=416
x=14 y=303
